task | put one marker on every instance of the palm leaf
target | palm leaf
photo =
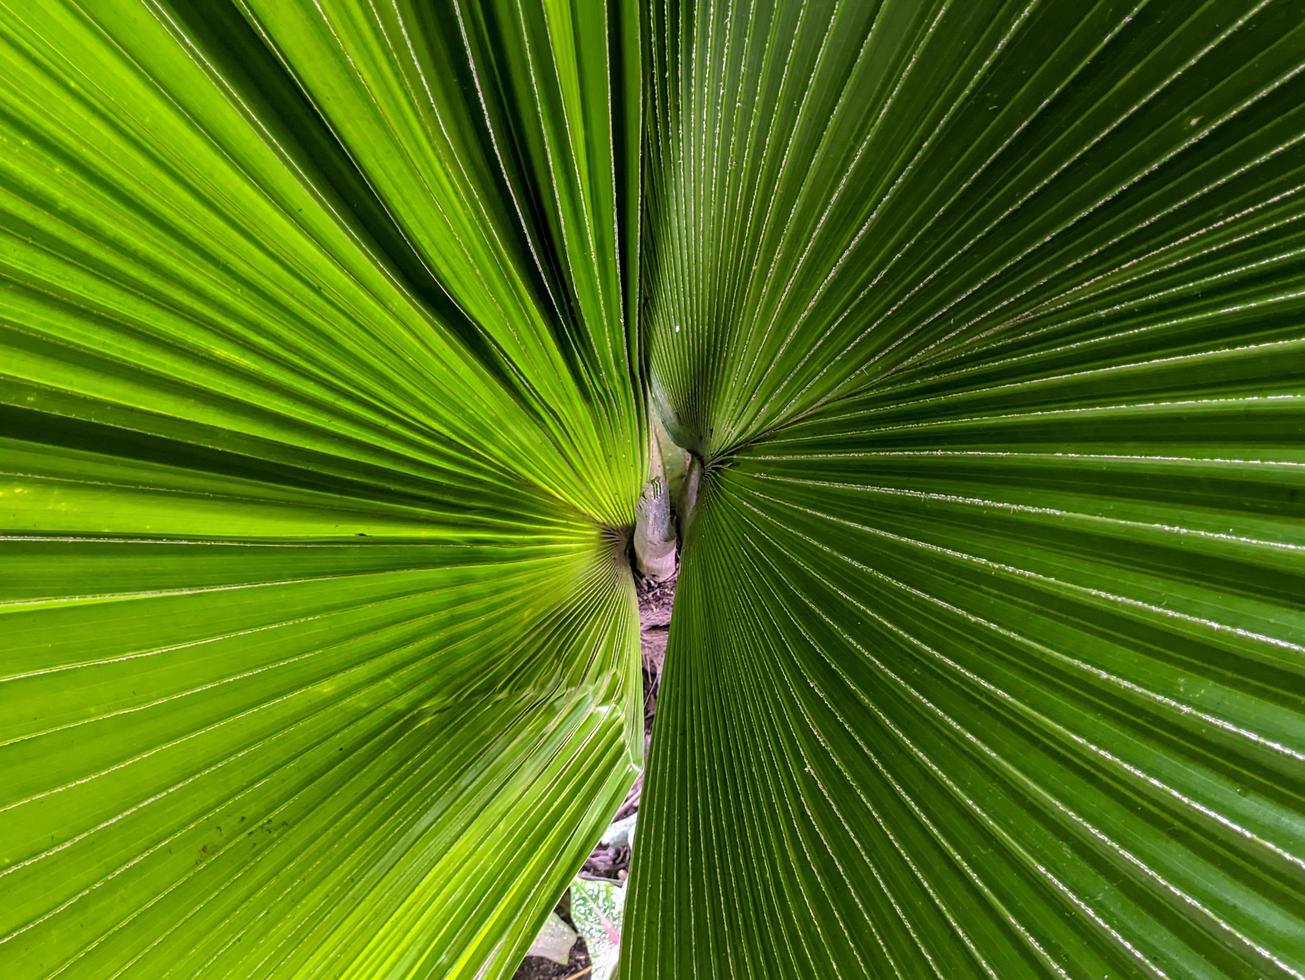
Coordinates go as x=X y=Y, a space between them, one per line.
x=987 y=655
x=314 y=452
x=326 y=329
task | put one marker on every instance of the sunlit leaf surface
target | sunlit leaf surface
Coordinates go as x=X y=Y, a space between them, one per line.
x=319 y=652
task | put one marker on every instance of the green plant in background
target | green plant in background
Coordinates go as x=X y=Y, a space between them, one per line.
x=328 y=330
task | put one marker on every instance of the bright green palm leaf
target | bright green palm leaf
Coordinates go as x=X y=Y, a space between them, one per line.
x=988 y=649
x=312 y=611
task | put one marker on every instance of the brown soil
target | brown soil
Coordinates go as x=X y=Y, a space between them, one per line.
x=538 y=968
x=607 y=862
